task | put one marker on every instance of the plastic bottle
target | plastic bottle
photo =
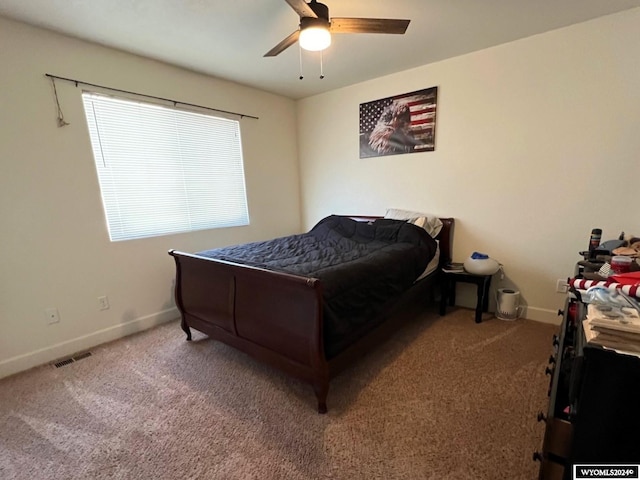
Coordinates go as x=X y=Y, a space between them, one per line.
x=594 y=241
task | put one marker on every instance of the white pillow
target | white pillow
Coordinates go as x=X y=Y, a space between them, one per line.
x=431 y=223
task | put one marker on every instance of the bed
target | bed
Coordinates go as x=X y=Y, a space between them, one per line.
x=311 y=304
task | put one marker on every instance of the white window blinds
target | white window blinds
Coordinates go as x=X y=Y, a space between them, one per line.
x=163 y=170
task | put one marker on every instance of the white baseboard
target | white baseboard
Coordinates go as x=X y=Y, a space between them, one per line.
x=467 y=297
x=69 y=347
x=542 y=315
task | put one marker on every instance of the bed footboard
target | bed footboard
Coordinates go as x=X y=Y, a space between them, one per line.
x=274 y=317
x=277 y=317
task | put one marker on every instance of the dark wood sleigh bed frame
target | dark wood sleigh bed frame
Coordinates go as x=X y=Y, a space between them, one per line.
x=276 y=317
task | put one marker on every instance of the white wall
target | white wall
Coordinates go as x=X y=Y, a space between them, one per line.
x=56 y=249
x=537 y=143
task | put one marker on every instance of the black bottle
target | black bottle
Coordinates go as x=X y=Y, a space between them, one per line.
x=594 y=241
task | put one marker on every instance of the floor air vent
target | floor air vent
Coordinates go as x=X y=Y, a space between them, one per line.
x=64 y=362
x=67 y=361
x=80 y=356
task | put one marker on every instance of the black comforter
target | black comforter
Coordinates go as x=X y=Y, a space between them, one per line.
x=362 y=267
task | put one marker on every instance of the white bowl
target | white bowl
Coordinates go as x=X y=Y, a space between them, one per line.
x=481 y=266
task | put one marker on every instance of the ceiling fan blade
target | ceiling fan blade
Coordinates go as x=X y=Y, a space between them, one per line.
x=284 y=44
x=368 y=25
x=302 y=8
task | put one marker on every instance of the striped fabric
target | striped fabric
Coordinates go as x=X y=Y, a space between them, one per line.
x=581 y=283
x=422 y=106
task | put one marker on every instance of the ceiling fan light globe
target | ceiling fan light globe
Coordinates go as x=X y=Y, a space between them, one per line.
x=315 y=38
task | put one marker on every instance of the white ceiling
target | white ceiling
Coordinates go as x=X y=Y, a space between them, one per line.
x=228 y=39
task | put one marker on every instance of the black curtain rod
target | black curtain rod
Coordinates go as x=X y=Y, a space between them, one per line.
x=175 y=102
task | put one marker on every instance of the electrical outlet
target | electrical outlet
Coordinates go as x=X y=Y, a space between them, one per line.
x=52 y=315
x=561 y=286
x=103 y=302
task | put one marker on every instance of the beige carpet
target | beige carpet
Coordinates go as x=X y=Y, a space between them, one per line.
x=443 y=399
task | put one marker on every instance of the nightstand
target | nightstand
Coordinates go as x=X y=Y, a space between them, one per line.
x=448 y=294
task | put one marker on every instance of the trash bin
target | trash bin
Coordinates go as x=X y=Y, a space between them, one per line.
x=507 y=304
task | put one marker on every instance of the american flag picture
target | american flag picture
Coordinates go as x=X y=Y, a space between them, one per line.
x=401 y=124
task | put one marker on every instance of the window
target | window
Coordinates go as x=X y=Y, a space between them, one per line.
x=164 y=170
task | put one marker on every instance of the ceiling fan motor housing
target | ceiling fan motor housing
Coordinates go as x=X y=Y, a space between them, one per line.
x=308 y=22
x=320 y=9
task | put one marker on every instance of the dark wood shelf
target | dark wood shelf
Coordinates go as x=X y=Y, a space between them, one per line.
x=594 y=393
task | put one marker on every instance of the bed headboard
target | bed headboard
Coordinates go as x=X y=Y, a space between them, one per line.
x=446 y=240
x=445 y=236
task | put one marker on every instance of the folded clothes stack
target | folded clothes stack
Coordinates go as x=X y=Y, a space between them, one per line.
x=613 y=320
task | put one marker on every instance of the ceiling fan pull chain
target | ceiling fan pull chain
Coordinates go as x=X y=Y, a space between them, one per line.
x=300 y=52
x=321 y=66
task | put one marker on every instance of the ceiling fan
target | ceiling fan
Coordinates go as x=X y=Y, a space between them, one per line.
x=315 y=27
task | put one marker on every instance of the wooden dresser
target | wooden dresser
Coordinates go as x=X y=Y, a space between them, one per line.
x=593 y=415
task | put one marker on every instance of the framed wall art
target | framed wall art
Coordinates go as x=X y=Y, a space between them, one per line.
x=400 y=124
